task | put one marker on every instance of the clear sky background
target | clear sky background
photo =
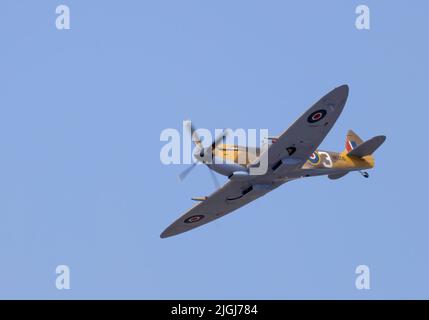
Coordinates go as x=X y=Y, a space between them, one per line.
x=81 y=182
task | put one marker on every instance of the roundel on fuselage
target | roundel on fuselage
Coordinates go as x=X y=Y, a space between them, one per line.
x=314 y=158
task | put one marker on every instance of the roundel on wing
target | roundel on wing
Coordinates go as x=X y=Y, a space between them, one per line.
x=314 y=158
x=316 y=116
x=194 y=219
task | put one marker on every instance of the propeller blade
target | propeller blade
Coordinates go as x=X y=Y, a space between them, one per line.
x=208 y=152
x=215 y=180
x=205 y=154
x=219 y=138
x=193 y=133
x=185 y=173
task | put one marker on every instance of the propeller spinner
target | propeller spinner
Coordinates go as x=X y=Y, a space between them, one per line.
x=202 y=155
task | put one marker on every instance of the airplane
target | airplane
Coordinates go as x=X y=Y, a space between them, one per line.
x=290 y=156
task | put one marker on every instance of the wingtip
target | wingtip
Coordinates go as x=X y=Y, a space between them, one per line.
x=164 y=235
x=345 y=88
x=341 y=92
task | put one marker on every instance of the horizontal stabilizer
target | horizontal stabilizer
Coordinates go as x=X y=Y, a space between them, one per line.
x=336 y=176
x=368 y=147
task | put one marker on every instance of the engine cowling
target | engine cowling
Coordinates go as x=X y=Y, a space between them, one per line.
x=227 y=168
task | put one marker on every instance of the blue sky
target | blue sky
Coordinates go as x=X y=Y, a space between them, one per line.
x=81 y=182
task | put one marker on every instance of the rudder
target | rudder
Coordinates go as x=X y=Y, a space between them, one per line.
x=352 y=141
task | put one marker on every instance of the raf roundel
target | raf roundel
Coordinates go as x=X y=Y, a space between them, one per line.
x=316 y=116
x=194 y=219
x=314 y=158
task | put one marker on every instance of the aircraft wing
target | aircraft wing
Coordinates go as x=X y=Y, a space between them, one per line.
x=233 y=195
x=303 y=137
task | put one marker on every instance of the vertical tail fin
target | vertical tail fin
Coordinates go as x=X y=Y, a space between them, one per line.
x=352 y=140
